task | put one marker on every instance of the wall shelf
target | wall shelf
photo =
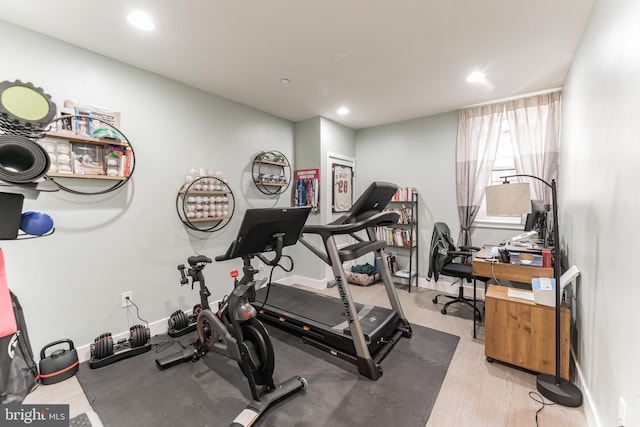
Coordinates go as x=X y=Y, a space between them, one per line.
x=271 y=172
x=107 y=161
x=84 y=139
x=205 y=210
x=76 y=176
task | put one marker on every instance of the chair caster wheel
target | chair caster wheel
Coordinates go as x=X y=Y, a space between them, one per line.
x=490 y=359
x=443 y=311
x=435 y=300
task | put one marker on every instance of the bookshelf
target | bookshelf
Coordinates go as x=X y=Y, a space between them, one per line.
x=402 y=238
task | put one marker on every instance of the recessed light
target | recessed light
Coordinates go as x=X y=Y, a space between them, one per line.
x=476 y=77
x=341 y=57
x=343 y=111
x=141 y=21
x=285 y=81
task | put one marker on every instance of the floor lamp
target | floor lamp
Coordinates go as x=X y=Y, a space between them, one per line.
x=515 y=199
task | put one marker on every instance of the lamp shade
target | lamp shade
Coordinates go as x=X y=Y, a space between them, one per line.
x=508 y=199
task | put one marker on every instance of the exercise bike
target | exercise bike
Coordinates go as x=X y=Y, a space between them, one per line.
x=233 y=329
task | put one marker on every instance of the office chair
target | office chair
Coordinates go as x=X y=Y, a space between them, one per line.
x=448 y=260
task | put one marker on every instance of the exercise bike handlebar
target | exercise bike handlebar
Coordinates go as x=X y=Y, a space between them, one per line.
x=183 y=279
x=279 y=238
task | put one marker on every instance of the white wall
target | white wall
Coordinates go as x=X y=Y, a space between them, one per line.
x=314 y=139
x=599 y=204
x=308 y=156
x=418 y=153
x=338 y=141
x=131 y=240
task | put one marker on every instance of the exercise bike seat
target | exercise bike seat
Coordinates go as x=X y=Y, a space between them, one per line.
x=195 y=260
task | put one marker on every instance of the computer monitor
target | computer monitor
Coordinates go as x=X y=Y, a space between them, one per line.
x=538 y=211
x=260 y=225
x=537 y=219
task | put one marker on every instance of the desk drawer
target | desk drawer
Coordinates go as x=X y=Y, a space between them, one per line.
x=522 y=333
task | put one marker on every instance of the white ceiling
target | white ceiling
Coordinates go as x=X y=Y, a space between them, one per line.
x=386 y=60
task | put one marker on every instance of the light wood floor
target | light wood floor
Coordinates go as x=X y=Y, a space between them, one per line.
x=474 y=393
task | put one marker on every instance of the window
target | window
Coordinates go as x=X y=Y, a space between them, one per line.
x=504 y=165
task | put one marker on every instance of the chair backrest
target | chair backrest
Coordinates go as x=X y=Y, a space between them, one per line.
x=441 y=245
x=441 y=239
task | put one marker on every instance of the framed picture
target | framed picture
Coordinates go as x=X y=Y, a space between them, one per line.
x=307 y=189
x=83 y=123
x=66 y=122
x=88 y=159
x=342 y=187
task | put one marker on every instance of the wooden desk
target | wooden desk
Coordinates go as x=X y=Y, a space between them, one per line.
x=522 y=333
x=501 y=270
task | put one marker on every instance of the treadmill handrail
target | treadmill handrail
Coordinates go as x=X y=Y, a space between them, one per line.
x=378 y=220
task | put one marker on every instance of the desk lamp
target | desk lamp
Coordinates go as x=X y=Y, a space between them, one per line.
x=511 y=200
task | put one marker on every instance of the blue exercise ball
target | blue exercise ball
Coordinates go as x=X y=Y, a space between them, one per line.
x=36 y=223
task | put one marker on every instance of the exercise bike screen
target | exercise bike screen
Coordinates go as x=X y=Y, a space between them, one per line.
x=261 y=224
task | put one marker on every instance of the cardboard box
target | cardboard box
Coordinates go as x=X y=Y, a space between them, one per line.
x=544 y=291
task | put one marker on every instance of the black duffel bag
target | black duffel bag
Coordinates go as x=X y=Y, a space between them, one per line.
x=18 y=369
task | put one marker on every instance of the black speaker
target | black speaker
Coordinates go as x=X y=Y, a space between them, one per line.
x=10 y=215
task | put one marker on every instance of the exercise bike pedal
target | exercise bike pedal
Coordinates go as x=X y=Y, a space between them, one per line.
x=177 y=358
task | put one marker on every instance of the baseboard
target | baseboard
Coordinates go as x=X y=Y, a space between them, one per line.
x=305 y=281
x=590 y=411
x=158 y=327
x=444 y=284
x=450 y=286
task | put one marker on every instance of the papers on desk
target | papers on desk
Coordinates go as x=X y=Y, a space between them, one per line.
x=544 y=288
x=488 y=252
x=519 y=293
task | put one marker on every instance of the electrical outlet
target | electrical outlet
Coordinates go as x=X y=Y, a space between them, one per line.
x=622 y=412
x=123 y=299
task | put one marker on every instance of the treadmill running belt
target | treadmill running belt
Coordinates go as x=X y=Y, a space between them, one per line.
x=287 y=299
x=324 y=315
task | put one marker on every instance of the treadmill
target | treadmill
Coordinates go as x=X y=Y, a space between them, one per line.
x=361 y=334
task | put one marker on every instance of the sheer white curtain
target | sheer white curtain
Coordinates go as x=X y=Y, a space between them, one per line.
x=534 y=125
x=478 y=135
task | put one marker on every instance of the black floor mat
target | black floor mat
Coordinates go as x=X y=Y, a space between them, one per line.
x=213 y=391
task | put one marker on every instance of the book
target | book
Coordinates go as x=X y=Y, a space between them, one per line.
x=405 y=274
